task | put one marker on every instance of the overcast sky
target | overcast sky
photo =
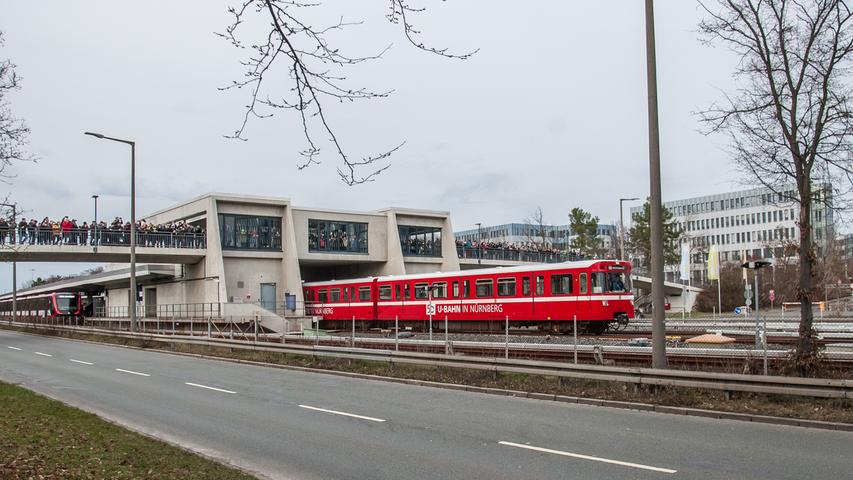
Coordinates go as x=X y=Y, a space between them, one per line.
x=550 y=112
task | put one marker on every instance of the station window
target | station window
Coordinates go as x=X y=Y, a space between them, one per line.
x=506 y=287
x=335 y=295
x=421 y=290
x=244 y=232
x=323 y=296
x=420 y=241
x=525 y=286
x=561 y=284
x=485 y=288
x=540 y=285
x=364 y=294
x=583 y=283
x=337 y=237
x=439 y=290
x=385 y=292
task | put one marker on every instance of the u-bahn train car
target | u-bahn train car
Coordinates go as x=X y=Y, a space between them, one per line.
x=58 y=304
x=596 y=292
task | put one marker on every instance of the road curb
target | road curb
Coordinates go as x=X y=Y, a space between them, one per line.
x=648 y=407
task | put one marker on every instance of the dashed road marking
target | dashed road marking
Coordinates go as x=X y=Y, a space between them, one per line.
x=209 y=388
x=335 y=412
x=588 y=457
x=14 y=348
x=80 y=361
x=132 y=372
x=43 y=354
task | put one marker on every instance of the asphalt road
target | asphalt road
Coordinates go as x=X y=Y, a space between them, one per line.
x=286 y=424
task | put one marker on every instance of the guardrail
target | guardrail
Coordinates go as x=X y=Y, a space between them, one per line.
x=809 y=387
x=104 y=237
x=514 y=255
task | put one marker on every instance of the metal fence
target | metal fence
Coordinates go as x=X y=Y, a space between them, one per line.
x=103 y=237
x=527 y=256
x=178 y=310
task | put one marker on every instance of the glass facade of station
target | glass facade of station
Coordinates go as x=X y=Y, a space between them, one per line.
x=248 y=232
x=337 y=237
x=420 y=241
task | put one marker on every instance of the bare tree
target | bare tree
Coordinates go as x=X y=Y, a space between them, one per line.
x=534 y=225
x=316 y=70
x=13 y=130
x=790 y=120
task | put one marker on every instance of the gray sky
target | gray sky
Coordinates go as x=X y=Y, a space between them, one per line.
x=550 y=112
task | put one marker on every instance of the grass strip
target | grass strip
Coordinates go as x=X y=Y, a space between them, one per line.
x=807 y=408
x=45 y=439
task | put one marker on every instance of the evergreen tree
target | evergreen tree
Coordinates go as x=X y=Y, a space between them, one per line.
x=584 y=229
x=640 y=237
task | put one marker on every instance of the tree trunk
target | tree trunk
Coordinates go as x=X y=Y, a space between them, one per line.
x=806 y=354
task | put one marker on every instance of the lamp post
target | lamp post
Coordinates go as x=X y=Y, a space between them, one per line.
x=479 y=243
x=132 y=306
x=14 y=230
x=656 y=215
x=622 y=227
x=94 y=228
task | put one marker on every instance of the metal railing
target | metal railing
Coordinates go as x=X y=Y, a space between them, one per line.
x=248 y=336
x=102 y=237
x=511 y=255
x=177 y=310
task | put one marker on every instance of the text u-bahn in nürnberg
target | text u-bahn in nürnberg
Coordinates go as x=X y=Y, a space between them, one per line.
x=550 y=297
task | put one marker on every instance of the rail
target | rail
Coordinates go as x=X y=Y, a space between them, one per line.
x=512 y=255
x=809 y=387
x=102 y=237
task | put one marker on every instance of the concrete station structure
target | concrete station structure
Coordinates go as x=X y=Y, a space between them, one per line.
x=258 y=252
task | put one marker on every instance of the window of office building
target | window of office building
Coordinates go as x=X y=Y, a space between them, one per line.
x=245 y=232
x=337 y=237
x=420 y=241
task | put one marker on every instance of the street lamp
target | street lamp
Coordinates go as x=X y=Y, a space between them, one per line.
x=94 y=228
x=132 y=306
x=622 y=227
x=755 y=266
x=14 y=230
x=479 y=243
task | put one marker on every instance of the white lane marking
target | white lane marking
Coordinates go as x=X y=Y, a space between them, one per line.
x=80 y=361
x=14 y=348
x=588 y=457
x=43 y=354
x=209 y=388
x=335 y=412
x=132 y=372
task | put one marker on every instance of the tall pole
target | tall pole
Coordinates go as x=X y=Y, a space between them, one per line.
x=14 y=239
x=655 y=198
x=132 y=298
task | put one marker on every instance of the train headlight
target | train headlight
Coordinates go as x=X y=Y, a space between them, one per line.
x=605 y=303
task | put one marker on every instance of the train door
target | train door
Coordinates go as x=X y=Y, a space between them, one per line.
x=527 y=293
x=374 y=299
x=540 y=309
x=584 y=303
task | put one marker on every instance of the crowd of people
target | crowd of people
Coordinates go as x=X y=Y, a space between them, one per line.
x=69 y=232
x=489 y=249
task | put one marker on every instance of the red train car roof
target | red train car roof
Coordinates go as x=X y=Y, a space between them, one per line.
x=484 y=271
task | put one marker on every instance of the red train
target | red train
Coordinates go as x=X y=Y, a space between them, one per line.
x=59 y=304
x=597 y=292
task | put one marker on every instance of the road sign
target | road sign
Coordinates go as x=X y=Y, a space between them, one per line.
x=430 y=309
x=737 y=310
x=771 y=295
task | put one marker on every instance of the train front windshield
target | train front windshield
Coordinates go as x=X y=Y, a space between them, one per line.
x=66 y=304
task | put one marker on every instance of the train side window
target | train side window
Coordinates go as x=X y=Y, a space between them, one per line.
x=345 y=295
x=309 y=295
x=598 y=282
x=335 y=295
x=485 y=287
x=540 y=285
x=397 y=289
x=421 y=290
x=406 y=292
x=352 y=296
x=439 y=290
x=583 y=283
x=506 y=287
x=385 y=292
x=561 y=284
x=364 y=293
x=466 y=289
x=455 y=289
x=323 y=296
x=525 y=286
